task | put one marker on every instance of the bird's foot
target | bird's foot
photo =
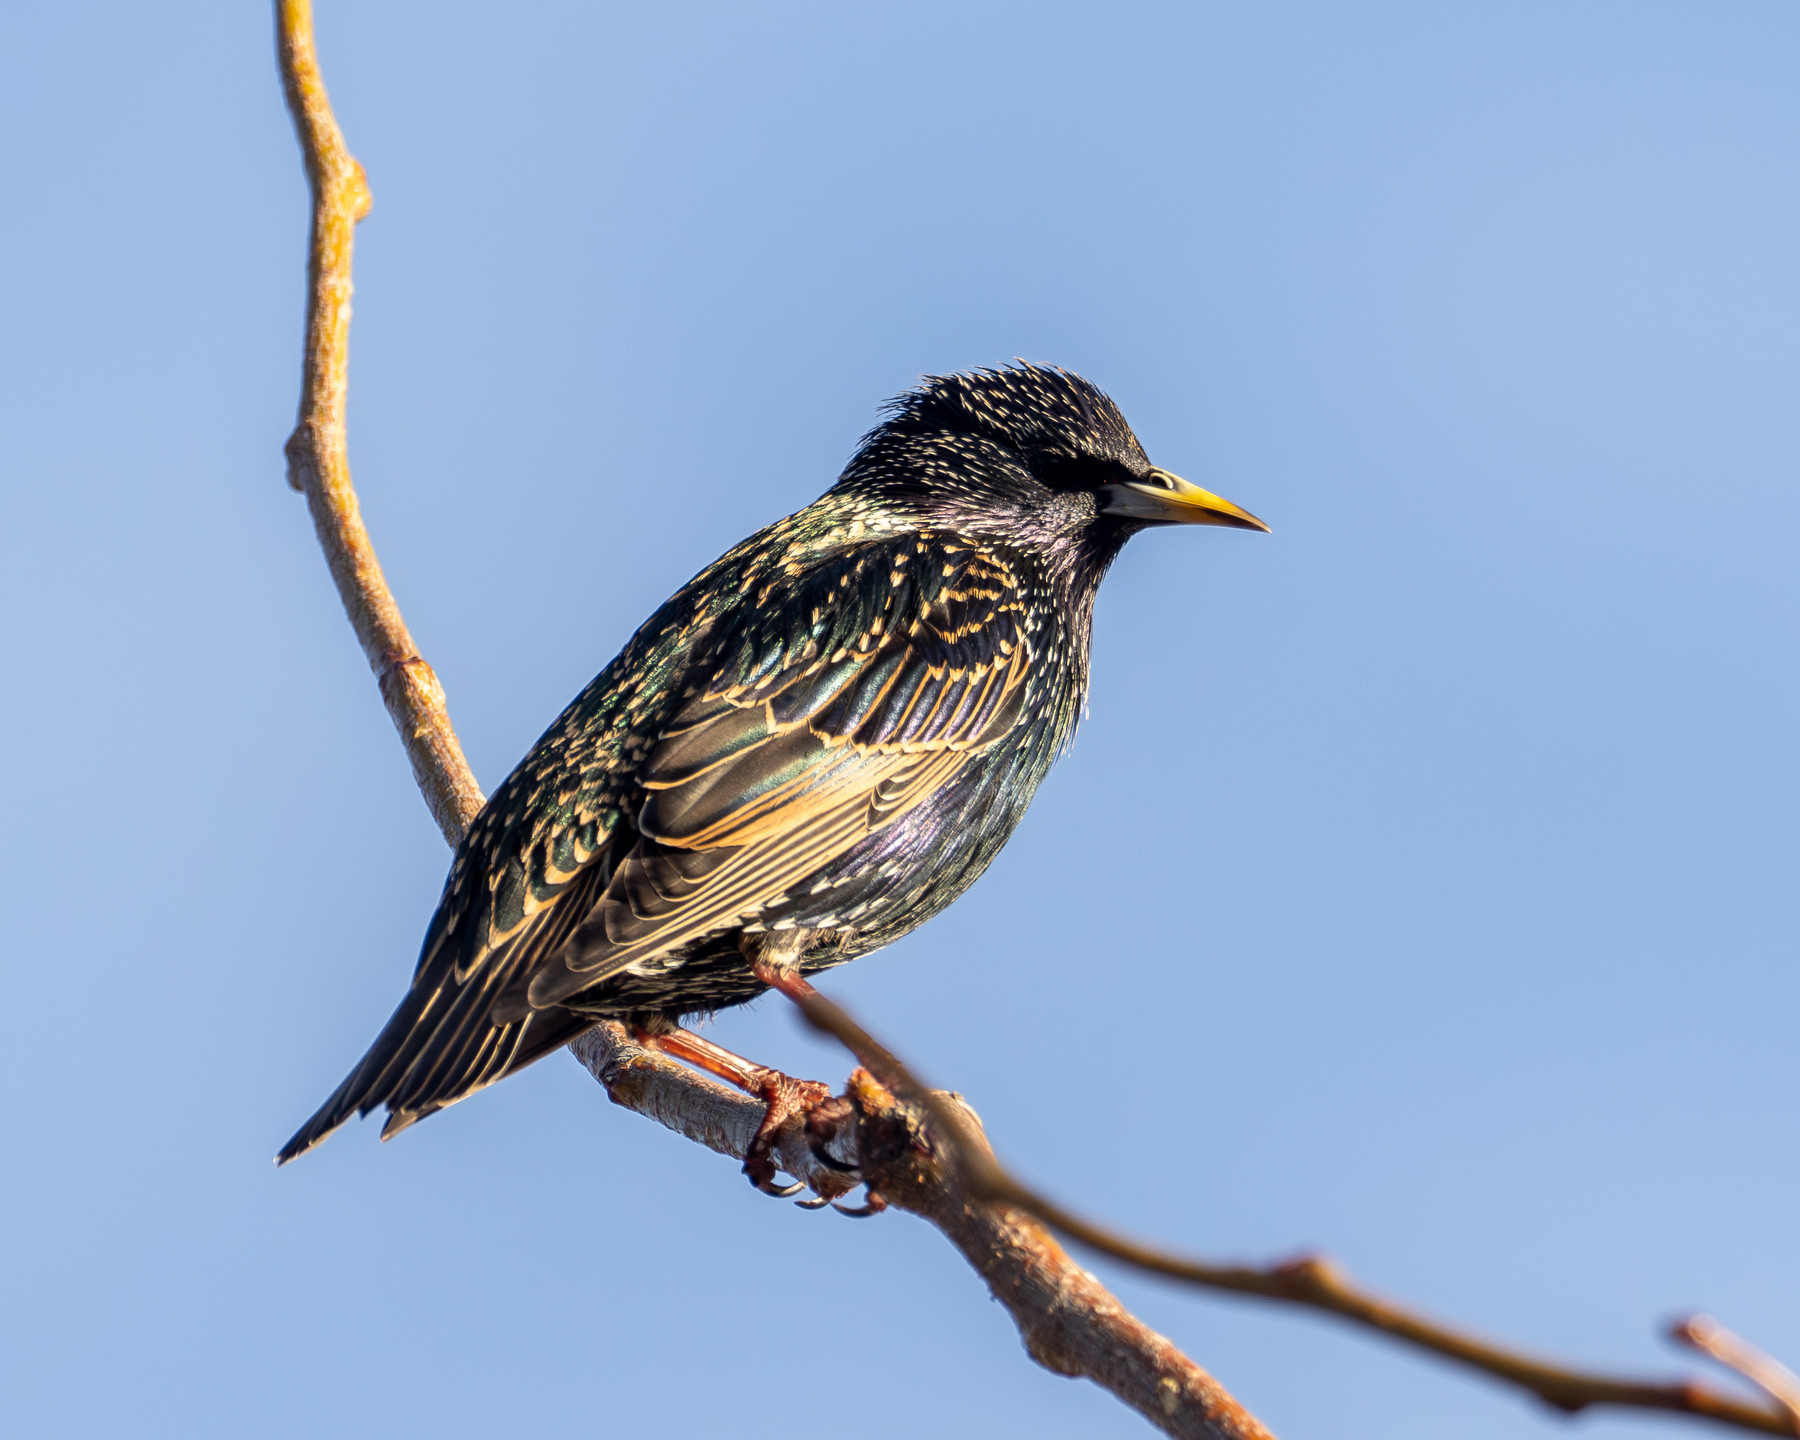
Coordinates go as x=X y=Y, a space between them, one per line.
x=826 y=1124
x=774 y=960
x=785 y=1098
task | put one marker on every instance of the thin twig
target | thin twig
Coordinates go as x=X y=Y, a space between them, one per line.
x=1314 y=1281
x=318 y=464
x=1710 y=1338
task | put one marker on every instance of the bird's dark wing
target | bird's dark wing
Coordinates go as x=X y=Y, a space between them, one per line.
x=759 y=733
x=444 y=1043
x=871 y=689
x=533 y=865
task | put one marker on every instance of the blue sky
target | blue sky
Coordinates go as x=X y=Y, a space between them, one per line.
x=1421 y=887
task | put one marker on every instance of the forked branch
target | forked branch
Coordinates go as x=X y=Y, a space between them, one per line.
x=1069 y=1322
x=1316 y=1283
x=918 y=1149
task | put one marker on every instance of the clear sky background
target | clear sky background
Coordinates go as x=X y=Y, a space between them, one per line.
x=1421 y=888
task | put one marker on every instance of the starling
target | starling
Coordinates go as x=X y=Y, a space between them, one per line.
x=815 y=746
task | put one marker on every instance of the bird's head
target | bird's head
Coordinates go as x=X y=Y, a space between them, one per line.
x=1030 y=453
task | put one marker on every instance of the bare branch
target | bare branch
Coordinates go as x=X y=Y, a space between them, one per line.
x=1070 y=1323
x=318 y=464
x=1318 y=1284
x=708 y=1113
x=1780 y=1384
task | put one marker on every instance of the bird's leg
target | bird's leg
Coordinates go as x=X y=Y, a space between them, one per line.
x=789 y=982
x=783 y=1095
x=702 y=1054
x=774 y=957
x=777 y=966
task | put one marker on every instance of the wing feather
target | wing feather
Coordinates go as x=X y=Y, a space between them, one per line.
x=781 y=775
x=766 y=721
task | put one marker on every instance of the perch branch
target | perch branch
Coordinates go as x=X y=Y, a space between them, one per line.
x=317 y=462
x=1070 y=1323
x=903 y=1133
x=708 y=1113
x=1317 y=1283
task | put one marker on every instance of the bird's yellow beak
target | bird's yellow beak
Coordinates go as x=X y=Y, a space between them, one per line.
x=1167 y=499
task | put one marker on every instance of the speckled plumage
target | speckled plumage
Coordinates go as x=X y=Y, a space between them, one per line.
x=832 y=729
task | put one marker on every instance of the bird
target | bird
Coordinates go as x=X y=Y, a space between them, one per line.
x=813 y=747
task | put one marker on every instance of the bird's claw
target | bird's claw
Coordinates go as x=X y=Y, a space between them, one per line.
x=786 y=1098
x=872 y=1204
x=824 y=1123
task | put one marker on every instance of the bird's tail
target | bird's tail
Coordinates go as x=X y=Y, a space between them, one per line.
x=423 y=1061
